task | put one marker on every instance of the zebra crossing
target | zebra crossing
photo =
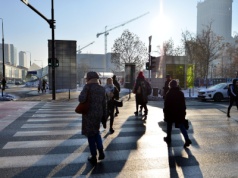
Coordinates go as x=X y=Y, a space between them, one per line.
x=46 y=141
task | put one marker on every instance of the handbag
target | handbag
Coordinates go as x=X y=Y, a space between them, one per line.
x=83 y=108
x=118 y=103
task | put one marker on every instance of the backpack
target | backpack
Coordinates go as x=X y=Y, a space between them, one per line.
x=148 y=88
x=229 y=90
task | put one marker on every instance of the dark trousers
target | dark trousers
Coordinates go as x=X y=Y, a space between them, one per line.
x=110 y=110
x=181 y=127
x=232 y=100
x=95 y=142
x=117 y=111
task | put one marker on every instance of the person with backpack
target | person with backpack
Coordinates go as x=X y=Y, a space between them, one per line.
x=141 y=90
x=233 y=94
x=117 y=85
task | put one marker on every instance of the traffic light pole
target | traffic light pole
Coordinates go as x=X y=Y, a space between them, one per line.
x=53 y=49
x=52 y=26
x=150 y=38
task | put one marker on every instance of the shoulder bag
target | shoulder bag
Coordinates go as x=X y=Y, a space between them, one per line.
x=83 y=108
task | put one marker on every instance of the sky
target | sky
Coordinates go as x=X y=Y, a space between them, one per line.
x=82 y=20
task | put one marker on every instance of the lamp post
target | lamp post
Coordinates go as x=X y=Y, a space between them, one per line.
x=51 y=22
x=3 y=62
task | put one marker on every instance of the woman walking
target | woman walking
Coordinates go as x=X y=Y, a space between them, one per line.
x=175 y=112
x=141 y=94
x=96 y=114
x=111 y=91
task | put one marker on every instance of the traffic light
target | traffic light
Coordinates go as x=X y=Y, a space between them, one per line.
x=50 y=62
x=56 y=62
x=147 y=66
x=152 y=62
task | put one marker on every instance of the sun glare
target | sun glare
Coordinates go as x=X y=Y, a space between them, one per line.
x=161 y=25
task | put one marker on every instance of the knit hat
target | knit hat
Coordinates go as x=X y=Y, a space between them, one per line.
x=141 y=75
x=91 y=75
x=173 y=83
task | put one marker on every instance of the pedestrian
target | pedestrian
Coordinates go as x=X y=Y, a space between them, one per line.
x=117 y=85
x=39 y=85
x=175 y=112
x=111 y=91
x=233 y=94
x=95 y=116
x=3 y=83
x=166 y=85
x=141 y=93
x=44 y=85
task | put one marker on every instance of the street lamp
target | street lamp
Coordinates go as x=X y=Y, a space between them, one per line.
x=3 y=62
x=51 y=22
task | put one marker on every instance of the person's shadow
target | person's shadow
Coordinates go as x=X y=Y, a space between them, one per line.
x=181 y=157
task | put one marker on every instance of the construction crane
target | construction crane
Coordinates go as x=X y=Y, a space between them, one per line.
x=79 y=51
x=106 y=31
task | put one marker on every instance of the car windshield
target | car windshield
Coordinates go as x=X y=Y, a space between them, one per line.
x=218 y=86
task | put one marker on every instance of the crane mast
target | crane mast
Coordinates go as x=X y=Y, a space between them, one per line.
x=106 y=32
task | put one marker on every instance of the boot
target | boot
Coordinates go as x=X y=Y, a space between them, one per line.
x=101 y=154
x=167 y=140
x=92 y=160
x=136 y=113
x=187 y=143
x=228 y=114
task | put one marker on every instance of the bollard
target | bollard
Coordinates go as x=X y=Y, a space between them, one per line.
x=69 y=94
x=189 y=92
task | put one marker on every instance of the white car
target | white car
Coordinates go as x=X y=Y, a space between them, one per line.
x=216 y=92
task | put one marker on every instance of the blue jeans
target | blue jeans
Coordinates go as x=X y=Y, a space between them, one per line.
x=181 y=127
x=95 y=142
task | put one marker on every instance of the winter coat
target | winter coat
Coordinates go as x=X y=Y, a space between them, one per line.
x=97 y=109
x=142 y=96
x=174 y=106
x=117 y=85
x=233 y=89
x=110 y=89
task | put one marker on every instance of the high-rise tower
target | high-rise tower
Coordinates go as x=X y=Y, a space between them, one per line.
x=219 y=12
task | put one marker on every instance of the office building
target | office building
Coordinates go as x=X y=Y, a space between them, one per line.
x=217 y=12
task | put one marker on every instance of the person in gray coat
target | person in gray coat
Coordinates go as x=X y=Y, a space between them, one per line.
x=95 y=116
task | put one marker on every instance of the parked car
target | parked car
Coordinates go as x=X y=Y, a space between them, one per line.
x=216 y=92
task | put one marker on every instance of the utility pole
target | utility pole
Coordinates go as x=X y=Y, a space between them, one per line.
x=150 y=38
x=51 y=22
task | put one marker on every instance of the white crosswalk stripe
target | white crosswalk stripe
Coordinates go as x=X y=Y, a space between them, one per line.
x=48 y=143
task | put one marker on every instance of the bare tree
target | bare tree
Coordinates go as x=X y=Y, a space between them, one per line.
x=129 y=49
x=203 y=49
x=168 y=49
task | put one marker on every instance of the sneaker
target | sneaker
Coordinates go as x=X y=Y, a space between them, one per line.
x=116 y=114
x=101 y=155
x=187 y=143
x=136 y=113
x=228 y=115
x=92 y=160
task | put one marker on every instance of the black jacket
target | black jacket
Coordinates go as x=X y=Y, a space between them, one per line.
x=174 y=106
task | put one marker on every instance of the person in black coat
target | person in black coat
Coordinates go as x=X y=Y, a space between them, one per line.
x=117 y=85
x=175 y=112
x=166 y=85
x=233 y=95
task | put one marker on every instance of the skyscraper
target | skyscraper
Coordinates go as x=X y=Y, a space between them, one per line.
x=217 y=12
